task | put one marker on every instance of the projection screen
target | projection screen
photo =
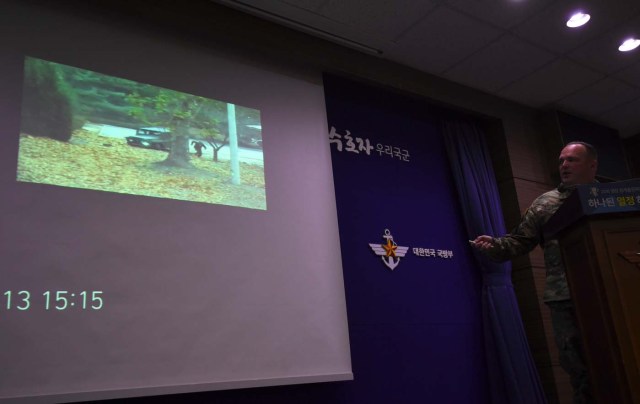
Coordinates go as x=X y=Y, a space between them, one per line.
x=167 y=216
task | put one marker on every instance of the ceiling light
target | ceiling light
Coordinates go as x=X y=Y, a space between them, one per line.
x=577 y=20
x=629 y=44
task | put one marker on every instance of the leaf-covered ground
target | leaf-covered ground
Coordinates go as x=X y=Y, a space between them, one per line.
x=109 y=164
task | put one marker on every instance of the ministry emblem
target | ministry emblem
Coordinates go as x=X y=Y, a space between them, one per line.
x=390 y=252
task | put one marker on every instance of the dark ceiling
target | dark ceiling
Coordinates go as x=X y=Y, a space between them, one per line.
x=519 y=50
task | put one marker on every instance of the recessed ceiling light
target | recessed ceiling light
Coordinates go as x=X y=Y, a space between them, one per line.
x=578 y=20
x=629 y=44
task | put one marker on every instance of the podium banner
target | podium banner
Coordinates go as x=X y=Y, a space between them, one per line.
x=619 y=196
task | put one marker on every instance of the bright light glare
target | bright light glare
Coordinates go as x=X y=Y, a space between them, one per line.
x=629 y=44
x=578 y=19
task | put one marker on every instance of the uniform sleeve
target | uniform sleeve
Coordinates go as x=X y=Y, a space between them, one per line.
x=524 y=238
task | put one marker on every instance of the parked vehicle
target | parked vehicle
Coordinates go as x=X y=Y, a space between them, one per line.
x=151 y=138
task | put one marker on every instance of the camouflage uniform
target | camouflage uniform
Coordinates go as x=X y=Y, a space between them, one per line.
x=524 y=238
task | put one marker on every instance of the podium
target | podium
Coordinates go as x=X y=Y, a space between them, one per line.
x=598 y=228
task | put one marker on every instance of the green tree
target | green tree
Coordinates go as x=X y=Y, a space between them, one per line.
x=217 y=134
x=101 y=98
x=47 y=101
x=180 y=112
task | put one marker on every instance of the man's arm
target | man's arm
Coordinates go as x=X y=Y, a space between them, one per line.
x=521 y=240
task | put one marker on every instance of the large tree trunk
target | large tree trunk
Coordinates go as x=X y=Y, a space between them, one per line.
x=179 y=153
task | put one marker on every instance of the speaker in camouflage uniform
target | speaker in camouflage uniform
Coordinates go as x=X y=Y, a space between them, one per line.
x=578 y=163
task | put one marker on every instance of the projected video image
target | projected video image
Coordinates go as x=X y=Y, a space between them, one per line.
x=84 y=129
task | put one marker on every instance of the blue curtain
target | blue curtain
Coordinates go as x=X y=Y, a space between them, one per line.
x=512 y=372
